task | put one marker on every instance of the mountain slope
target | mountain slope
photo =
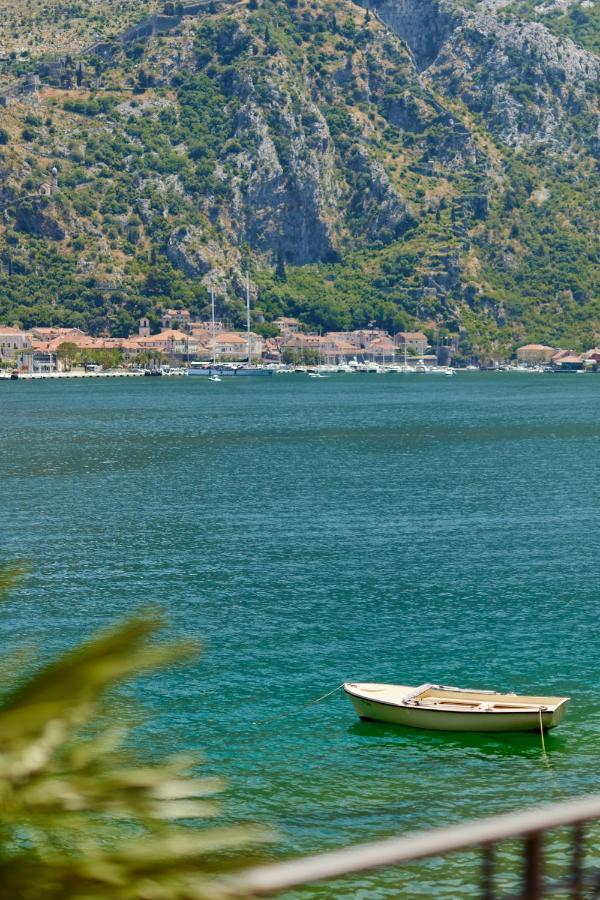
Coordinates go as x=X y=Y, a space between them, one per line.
x=418 y=163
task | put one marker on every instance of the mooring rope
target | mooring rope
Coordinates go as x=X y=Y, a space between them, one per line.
x=547 y=761
x=544 y=754
x=303 y=706
x=542 y=734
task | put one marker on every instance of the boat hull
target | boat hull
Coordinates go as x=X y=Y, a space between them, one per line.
x=450 y=720
x=251 y=370
x=210 y=371
x=227 y=371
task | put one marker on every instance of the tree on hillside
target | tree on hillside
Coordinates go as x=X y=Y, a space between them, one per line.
x=280 y=272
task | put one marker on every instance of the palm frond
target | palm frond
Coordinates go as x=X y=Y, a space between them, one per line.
x=78 y=818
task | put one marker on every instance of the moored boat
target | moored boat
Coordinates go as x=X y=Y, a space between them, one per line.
x=214 y=370
x=443 y=708
x=253 y=370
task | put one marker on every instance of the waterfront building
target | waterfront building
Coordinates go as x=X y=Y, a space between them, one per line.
x=535 y=354
x=49 y=333
x=572 y=362
x=336 y=349
x=558 y=355
x=44 y=356
x=272 y=350
x=300 y=343
x=360 y=338
x=592 y=358
x=382 y=349
x=39 y=359
x=413 y=342
x=287 y=325
x=13 y=341
x=203 y=341
x=233 y=345
x=170 y=341
x=176 y=318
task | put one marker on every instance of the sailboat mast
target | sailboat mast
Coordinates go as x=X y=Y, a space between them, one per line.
x=212 y=326
x=248 y=319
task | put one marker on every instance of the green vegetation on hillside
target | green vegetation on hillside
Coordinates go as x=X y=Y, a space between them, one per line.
x=578 y=21
x=297 y=133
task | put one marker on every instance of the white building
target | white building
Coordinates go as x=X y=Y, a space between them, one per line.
x=13 y=342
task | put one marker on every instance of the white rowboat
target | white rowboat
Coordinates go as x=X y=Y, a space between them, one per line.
x=442 y=708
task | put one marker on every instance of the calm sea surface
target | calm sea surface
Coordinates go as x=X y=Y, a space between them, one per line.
x=394 y=528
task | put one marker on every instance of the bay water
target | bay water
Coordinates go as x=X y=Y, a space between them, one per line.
x=375 y=528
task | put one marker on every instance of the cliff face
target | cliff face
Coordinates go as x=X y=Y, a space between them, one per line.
x=424 y=25
x=285 y=194
x=527 y=84
x=418 y=163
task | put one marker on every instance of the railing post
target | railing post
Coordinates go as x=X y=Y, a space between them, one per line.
x=483 y=836
x=532 y=887
x=577 y=863
x=487 y=872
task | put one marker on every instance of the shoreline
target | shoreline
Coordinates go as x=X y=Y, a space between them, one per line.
x=39 y=376
x=306 y=371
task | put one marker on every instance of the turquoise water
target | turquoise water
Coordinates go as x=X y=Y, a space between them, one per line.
x=359 y=527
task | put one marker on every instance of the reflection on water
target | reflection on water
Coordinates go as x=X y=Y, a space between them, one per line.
x=522 y=744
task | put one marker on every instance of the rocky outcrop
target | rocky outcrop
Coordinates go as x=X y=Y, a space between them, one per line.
x=527 y=83
x=424 y=25
x=204 y=258
x=189 y=251
x=286 y=191
x=382 y=213
x=35 y=216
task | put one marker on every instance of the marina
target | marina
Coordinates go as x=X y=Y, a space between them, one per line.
x=228 y=369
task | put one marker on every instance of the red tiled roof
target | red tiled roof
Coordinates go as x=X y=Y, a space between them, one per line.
x=535 y=347
x=10 y=329
x=167 y=336
x=412 y=335
x=230 y=337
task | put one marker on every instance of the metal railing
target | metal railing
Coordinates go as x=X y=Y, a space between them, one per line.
x=530 y=825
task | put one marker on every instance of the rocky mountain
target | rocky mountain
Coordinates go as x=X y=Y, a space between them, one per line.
x=412 y=163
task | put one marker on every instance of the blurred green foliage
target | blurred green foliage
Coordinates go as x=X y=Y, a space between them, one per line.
x=79 y=818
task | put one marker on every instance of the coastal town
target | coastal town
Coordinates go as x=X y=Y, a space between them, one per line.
x=182 y=340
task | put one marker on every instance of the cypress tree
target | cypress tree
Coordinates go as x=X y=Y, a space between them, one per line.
x=280 y=272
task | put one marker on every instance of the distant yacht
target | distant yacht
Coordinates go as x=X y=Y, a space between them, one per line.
x=227 y=369
x=440 y=370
